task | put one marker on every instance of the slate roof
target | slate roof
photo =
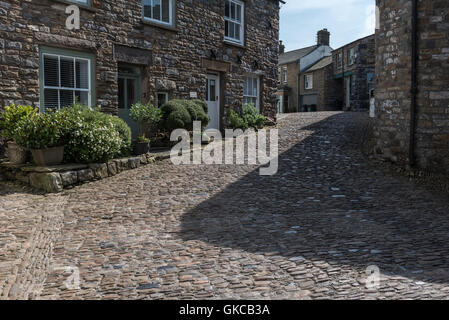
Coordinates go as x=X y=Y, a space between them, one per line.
x=321 y=64
x=295 y=55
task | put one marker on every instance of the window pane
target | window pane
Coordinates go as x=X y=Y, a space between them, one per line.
x=51 y=71
x=82 y=97
x=239 y=13
x=157 y=9
x=237 y=31
x=213 y=91
x=232 y=10
x=166 y=11
x=250 y=86
x=66 y=98
x=147 y=8
x=67 y=73
x=231 y=29
x=227 y=11
x=51 y=99
x=255 y=87
x=82 y=74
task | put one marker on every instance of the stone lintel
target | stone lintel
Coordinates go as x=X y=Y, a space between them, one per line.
x=215 y=65
x=133 y=55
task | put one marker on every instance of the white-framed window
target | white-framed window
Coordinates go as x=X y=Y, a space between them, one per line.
x=162 y=98
x=65 y=79
x=284 y=75
x=339 y=60
x=308 y=81
x=251 y=91
x=159 y=11
x=84 y=2
x=234 y=21
x=351 y=56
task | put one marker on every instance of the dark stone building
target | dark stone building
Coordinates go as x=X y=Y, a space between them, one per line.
x=225 y=52
x=412 y=93
x=354 y=69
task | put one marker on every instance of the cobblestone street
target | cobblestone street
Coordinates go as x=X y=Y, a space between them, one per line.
x=225 y=232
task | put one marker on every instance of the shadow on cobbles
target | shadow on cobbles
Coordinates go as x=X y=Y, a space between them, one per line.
x=328 y=203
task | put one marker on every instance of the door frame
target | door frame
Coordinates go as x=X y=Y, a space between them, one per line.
x=218 y=80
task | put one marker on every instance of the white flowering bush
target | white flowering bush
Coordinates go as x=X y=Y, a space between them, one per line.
x=91 y=136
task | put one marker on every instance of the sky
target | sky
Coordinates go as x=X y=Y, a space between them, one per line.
x=346 y=20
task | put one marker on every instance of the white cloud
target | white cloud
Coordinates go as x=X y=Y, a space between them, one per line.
x=370 y=21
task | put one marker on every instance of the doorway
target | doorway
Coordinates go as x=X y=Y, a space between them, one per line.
x=213 y=101
x=129 y=93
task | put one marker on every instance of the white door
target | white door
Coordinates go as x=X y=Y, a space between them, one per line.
x=213 y=101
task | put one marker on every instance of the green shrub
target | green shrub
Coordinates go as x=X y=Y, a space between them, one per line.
x=11 y=116
x=91 y=136
x=125 y=134
x=176 y=115
x=252 y=116
x=41 y=131
x=197 y=111
x=202 y=104
x=179 y=119
x=147 y=116
x=180 y=114
x=236 y=121
x=249 y=118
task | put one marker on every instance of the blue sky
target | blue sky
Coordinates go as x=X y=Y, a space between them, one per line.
x=346 y=20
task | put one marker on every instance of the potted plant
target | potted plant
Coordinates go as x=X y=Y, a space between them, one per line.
x=147 y=116
x=9 y=120
x=43 y=134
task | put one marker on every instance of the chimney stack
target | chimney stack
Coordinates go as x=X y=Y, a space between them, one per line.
x=281 y=47
x=323 y=37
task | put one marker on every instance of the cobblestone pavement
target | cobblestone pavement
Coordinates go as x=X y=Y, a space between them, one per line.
x=217 y=232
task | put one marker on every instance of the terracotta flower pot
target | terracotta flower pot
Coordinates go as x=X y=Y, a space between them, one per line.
x=15 y=153
x=48 y=157
x=141 y=148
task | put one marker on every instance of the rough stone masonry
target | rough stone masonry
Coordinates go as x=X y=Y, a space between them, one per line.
x=174 y=59
x=394 y=83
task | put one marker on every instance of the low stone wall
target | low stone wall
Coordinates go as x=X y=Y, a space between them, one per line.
x=57 y=178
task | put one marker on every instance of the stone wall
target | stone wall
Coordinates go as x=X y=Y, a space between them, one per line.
x=324 y=86
x=393 y=91
x=364 y=64
x=292 y=83
x=177 y=53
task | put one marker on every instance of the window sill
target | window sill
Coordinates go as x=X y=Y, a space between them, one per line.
x=81 y=6
x=235 y=44
x=159 y=25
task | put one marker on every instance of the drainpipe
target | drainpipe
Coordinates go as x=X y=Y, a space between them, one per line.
x=414 y=84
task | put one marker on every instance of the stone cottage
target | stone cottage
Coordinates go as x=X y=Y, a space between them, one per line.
x=354 y=70
x=317 y=85
x=223 y=51
x=412 y=93
x=291 y=65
